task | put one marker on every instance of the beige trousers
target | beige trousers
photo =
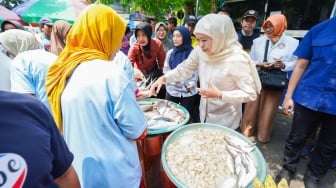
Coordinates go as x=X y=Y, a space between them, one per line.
x=261 y=114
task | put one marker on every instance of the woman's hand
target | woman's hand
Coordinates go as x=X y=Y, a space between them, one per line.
x=265 y=65
x=138 y=75
x=278 y=64
x=156 y=86
x=143 y=94
x=211 y=92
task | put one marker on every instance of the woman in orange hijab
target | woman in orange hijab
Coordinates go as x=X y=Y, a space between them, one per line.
x=93 y=102
x=274 y=50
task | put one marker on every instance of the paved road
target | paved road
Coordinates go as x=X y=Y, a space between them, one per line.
x=273 y=152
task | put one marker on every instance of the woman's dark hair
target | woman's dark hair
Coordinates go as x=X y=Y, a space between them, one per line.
x=128 y=30
x=173 y=21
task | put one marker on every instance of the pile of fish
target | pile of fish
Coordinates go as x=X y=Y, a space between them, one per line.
x=211 y=158
x=145 y=84
x=161 y=113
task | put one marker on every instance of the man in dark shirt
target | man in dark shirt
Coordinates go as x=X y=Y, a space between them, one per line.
x=33 y=153
x=172 y=23
x=248 y=32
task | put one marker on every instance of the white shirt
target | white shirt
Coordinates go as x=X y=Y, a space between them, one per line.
x=101 y=119
x=4 y=72
x=28 y=73
x=44 y=41
x=282 y=50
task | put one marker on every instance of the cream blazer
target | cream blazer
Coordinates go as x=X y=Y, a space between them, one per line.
x=232 y=76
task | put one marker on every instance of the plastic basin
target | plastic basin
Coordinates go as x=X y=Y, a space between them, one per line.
x=170 y=128
x=256 y=155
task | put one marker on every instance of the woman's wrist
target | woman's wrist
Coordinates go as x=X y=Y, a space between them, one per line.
x=219 y=95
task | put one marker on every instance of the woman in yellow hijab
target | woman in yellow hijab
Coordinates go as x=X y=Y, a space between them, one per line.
x=93 y=101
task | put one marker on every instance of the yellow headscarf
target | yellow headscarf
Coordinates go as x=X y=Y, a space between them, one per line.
x=96 y=34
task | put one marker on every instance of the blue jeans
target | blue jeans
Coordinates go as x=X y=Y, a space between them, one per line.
x=305 y=123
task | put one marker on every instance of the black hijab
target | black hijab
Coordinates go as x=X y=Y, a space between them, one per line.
x=147 y=29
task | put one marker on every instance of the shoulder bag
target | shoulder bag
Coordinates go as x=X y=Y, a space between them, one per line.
x=273 y=79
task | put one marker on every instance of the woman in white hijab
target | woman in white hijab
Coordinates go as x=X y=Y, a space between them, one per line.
x=227 y=75
x=29 y=63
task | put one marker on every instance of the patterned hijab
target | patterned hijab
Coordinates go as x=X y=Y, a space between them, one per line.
x=16 y=41
x=59 y=32
x=96 y=34
x=180 y=53
x=279 y=23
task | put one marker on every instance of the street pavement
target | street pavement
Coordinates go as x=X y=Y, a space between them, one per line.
x=273 y=154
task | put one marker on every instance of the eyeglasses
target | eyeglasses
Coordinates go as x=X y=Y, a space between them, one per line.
x=268 y=27
x=161 y=30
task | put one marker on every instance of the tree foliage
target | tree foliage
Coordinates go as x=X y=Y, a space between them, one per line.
x=105 y=2
x=10 y=4
x=158 y=8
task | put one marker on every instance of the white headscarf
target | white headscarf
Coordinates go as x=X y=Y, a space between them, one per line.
x=225 y=41
x=16 y=41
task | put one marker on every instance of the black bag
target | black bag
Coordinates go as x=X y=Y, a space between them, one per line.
x=273 y=79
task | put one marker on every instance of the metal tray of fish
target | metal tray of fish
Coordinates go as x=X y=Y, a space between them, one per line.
x=162 y=115
x=210 y=155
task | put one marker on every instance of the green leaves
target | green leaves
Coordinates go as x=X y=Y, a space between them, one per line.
x=160 y=8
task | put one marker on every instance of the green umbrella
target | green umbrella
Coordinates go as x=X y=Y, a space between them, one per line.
x=33 y=10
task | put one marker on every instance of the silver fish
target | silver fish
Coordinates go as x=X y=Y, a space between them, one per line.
x=246 y=178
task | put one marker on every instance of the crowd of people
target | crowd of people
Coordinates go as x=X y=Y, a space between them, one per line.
x=72 y=91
